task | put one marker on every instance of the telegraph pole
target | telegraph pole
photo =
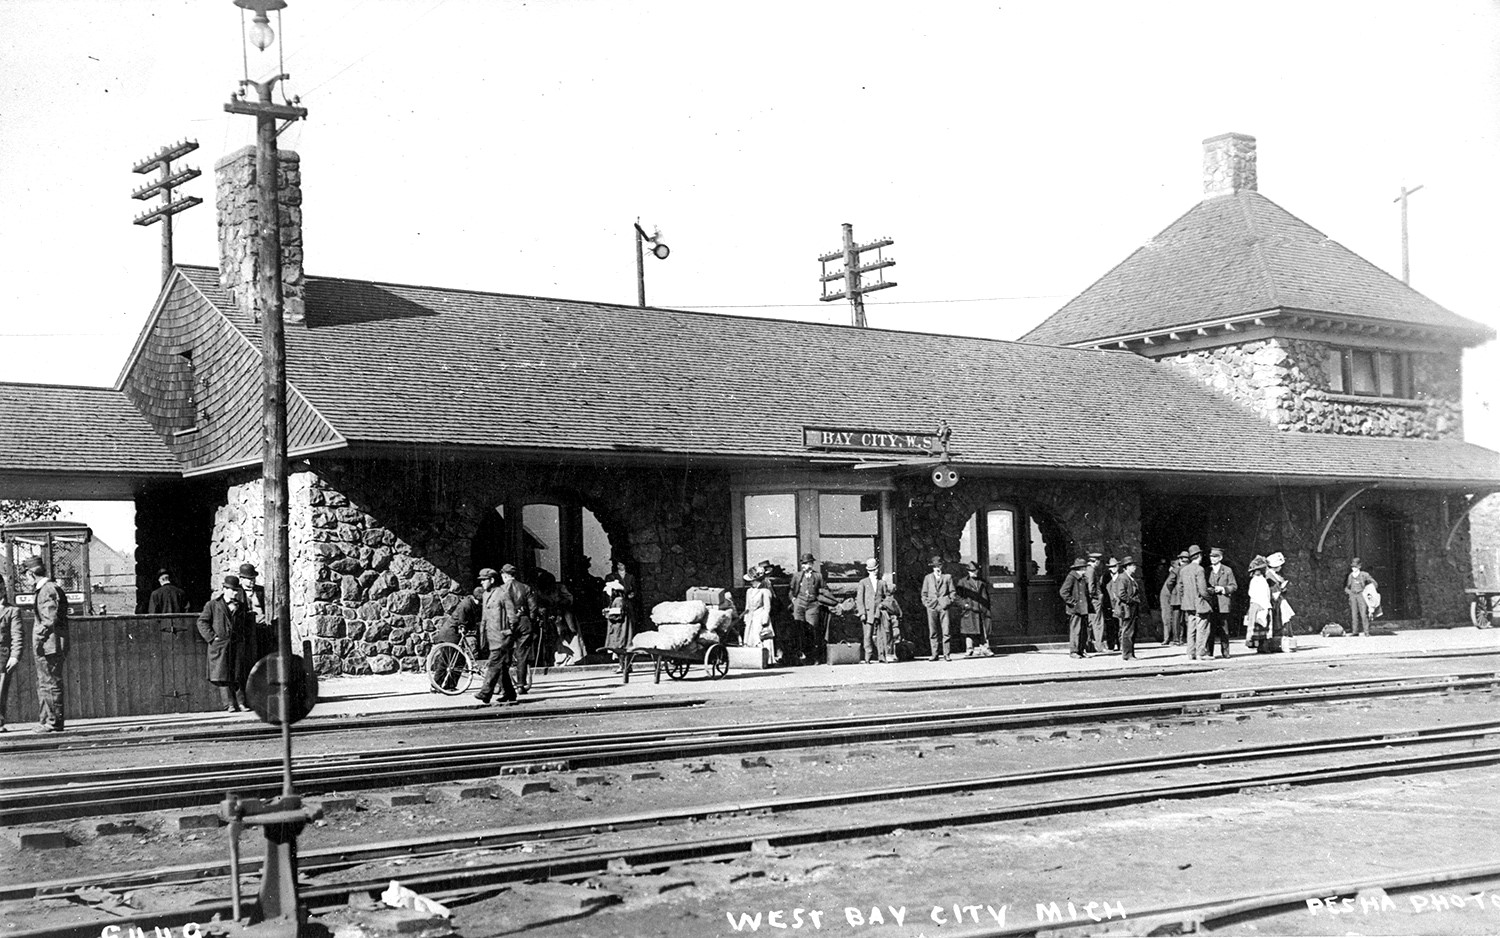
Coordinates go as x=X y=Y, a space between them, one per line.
x=1405 y=259
x=282 y=819
x=854 y=287
x=163 y=186
x=658 y=250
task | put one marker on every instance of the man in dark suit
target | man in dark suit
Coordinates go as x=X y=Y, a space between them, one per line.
x=1127 y=600
x=50 y=640
x=1174 y=599
x=263 y=638
x=168 y=598
x=1075 y=597
x=1222 y=587
x=807 y=610
x=938 y=597
x=522 y=610
x=869 y=598
x=1196 y=602
x=1098 y=582
x=225 y=626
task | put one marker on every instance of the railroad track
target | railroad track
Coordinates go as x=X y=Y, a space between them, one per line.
x=925 y=807
x=128 y=734
x=60 y=796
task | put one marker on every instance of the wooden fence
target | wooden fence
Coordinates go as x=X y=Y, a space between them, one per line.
x=121 y=666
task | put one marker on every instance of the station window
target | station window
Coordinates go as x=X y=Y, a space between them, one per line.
x=848 y=533
x=771 y=529
x=1369 y=373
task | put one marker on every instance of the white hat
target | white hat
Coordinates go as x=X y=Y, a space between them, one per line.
x=872 y=564
x=1275 y=560
x=613 y=586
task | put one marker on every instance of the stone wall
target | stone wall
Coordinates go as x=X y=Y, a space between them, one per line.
x=381 y=550
x=1285 y=382
x=235 y=195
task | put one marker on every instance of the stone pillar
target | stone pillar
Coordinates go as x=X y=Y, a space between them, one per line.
x=1228 y=165
x=234 y=182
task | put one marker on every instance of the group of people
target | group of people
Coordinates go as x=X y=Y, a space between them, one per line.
x=49 y=640
x=1105 y=605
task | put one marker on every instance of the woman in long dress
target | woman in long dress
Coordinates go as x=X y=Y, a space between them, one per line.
x=1258 y=618
x=1281 y=610
x=617 y=618
x=758 y=629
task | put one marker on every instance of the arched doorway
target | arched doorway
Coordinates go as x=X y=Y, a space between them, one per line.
x=1020 y=553
x=556 y=537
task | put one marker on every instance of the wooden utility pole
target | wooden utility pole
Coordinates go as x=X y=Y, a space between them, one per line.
x=1405 y=257
x=163 y=186
x=854 y=287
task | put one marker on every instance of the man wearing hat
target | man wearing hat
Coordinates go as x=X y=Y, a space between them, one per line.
x=807 y=584
x=1196 y=602
x=1174 y=622
x=522 y=610
x=1126 y=600
x=974 y=611
x=1222 y=587
x=263 y=638
x=938 y=597
x=1075 y=596
x=50 y=643
x=225 y=626
x=496 y=640
x=1099 y=614
x=869 y=598
x=168 y=598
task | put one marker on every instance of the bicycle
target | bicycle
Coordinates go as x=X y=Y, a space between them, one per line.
x=452 y=668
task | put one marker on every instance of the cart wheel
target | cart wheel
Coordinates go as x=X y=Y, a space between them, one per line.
x=1484 y=613
x=449 y=670
x=676 y=668
x=716 y=660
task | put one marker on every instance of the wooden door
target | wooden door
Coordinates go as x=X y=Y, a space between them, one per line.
x=1001 y=570
x=1378 y=541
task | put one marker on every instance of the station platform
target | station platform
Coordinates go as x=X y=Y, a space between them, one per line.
x=349 y=696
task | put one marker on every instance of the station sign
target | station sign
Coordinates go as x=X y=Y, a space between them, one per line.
x=866 y=439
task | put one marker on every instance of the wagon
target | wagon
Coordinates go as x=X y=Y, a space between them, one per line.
x=1484 y=607
x=714 y=658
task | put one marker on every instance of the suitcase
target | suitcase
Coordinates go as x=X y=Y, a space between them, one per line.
x=843 y=652
x=904 y=651
x=753 y=658
x=711 y=596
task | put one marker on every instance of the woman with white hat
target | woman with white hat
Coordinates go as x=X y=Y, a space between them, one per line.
x=1281 y=610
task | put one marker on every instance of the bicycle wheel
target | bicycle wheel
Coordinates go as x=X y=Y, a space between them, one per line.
x=449 y=670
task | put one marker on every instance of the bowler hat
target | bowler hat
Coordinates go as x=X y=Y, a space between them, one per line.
x=1127 y=560
x=1194 y=551
x=164 y=572
x=510 y=568
x=936 y=561
x=488 y=573
x=1215 y=552
x=232 y=581
x=35 y=565
x=248 y=569
x=872 y=564
x=1079 y=563
x=808 y=558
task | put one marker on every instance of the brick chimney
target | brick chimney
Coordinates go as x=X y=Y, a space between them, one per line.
x=234 y=184
x=1228 y=165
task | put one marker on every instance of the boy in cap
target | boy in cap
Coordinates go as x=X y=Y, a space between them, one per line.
x=1359 y=610
x=1222 y=585
x=1075 y=596
x=1126 y=600
x=938 y=597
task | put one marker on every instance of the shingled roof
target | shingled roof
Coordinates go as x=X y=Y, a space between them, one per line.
x=1234 y=255
x=392 y=364
x=55 y=430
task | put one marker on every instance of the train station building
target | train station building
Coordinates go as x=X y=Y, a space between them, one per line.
x=1239 y=381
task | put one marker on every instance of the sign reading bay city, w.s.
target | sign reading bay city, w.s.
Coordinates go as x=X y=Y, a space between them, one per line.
x=885 y=441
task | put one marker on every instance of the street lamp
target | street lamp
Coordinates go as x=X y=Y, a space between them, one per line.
x=658 y=250
x=281 y=818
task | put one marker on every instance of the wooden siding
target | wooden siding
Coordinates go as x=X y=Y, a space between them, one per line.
x=226 y=423
x=121 y=666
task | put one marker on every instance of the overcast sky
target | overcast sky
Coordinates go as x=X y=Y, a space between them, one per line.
x=1014 y=151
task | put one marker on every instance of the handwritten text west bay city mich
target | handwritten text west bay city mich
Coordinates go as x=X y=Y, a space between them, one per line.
x=863 y=439
x=926 y=916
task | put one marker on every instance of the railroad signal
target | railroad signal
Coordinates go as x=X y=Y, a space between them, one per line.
x=853 y=273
